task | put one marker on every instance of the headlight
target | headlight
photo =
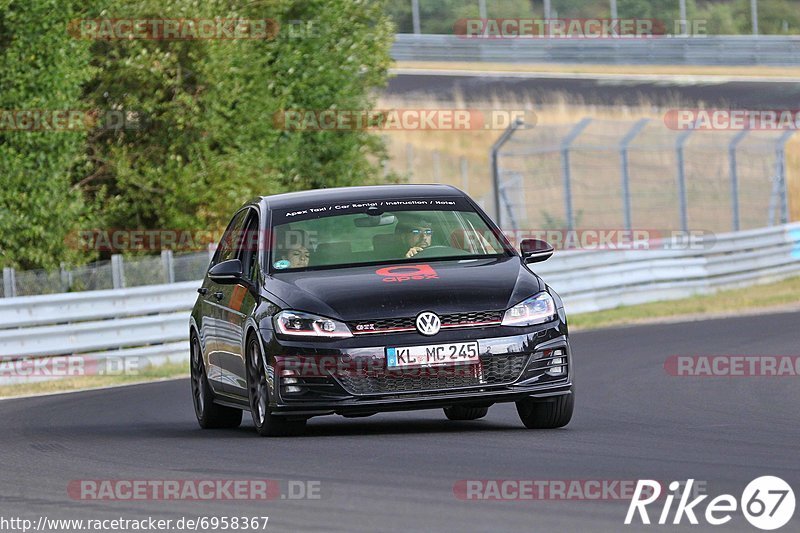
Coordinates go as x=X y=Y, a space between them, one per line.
x=535 y=310
x=302 y=324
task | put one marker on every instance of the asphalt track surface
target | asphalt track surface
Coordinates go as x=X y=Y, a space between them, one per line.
x=671 y=91
x=396 y=472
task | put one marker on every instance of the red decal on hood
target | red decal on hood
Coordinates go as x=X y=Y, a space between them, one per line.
x=406 y=273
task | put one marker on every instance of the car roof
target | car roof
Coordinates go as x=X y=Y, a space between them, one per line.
x=301 y=199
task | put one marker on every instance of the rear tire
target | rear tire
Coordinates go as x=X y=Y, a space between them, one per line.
x=462 y=412
x=549 y=413
x=209 y=415
x=267 y=424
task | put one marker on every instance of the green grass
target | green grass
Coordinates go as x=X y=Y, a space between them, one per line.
x=153 y=373
x=751 y=299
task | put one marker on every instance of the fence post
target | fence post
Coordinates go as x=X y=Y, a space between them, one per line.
x=410 y=160
x=415 y=16
x=168 y=266
x=9 y=282
x=498 y=144
x=437 y=166
x=66 y=277
x=565 y=168
x=464 y=175
x=117 y=271
x=684 y=205
x=780 y=176
x=734 y=171
x=623 y=153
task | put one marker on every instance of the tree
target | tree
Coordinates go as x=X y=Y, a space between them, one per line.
x=207 y=140
x=42 y=70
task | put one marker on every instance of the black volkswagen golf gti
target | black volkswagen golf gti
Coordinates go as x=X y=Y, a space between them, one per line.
x=362 y=300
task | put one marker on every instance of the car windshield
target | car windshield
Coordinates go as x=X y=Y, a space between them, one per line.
x=332 y=236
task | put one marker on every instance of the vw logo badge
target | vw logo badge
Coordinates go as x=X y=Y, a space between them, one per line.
x=428 y=323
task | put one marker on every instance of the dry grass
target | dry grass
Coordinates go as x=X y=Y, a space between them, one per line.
x=793 y=176
x=560 y=110
x=676 y=70
x=474 y=146
x=166 y=371
x=776 y=297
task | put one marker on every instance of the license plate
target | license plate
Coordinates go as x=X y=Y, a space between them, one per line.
x=432 y=355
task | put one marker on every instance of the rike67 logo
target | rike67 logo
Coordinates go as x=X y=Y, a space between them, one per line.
x=767 y=503
x=398 y=274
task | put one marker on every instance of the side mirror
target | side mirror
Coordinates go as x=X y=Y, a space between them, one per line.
x=535 y=250
x=227 y=272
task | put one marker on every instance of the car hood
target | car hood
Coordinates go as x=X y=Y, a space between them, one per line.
x=406 y=289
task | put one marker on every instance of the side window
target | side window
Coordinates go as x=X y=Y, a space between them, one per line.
x=247 y=248
x=227 y=245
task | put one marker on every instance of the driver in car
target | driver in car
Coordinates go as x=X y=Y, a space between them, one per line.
x=415 y=235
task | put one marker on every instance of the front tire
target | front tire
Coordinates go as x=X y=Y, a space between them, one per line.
x=209 y=415
x=461 y=412
x=267 y=424
x=549 y=413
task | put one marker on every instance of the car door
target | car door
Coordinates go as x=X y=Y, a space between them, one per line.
x=215 y=308
x=236 y=305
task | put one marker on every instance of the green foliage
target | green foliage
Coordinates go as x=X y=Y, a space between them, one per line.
x=209 y=140
x=201 y=136
x=41 y=68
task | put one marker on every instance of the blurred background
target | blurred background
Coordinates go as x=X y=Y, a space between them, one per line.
x=198 y=134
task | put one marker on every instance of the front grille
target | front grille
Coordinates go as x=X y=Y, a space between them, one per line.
x=492 y=370
x=455 y=320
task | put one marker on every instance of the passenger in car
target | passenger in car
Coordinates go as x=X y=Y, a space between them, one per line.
x=291 y=247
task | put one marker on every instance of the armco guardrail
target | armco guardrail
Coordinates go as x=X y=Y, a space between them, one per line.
x=152 y=322
x=674 y=50
x=597 y=280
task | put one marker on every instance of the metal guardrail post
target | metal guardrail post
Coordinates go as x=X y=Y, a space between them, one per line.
x=734 y=171
x=566 y=171
x=498 y=144
x=680 y=143
x=117 y=271
x=623 y=153
x=168 y=266
x=9 y=282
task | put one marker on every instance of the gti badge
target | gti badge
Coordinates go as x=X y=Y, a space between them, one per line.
x=428 y=323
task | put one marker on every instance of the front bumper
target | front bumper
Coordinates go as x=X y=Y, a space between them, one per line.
x=536 y=363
